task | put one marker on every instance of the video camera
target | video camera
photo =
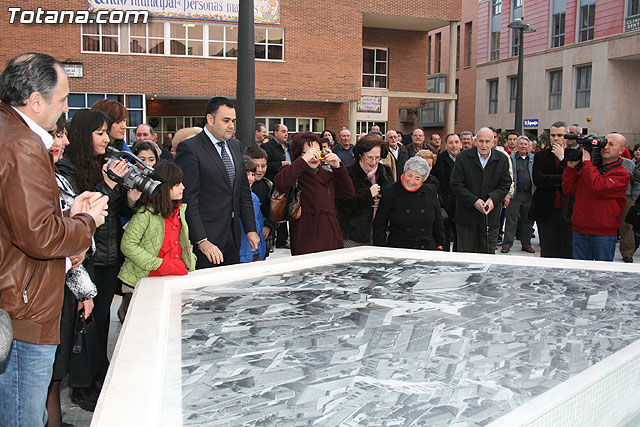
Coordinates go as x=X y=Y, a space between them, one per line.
x=148 y=181
x=593 y=145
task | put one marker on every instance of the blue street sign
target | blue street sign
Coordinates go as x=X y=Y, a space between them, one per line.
x=531 y=123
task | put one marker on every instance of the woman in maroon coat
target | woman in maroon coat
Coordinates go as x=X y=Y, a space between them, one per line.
x=317 y=229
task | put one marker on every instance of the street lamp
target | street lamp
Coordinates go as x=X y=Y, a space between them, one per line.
x=519 y=25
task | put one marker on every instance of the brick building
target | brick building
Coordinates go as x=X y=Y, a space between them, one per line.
x=312 y=68
x=433 y=117
x=581 y=65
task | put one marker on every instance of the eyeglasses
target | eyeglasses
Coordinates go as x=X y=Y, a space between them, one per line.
x=368 y=157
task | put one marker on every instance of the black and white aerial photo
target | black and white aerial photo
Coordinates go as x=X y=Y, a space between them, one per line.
x=392 y=342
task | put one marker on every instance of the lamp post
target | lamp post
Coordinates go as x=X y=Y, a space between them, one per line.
x=246 y=74
x=519 y=25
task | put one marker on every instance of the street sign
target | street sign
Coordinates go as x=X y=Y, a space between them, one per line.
x=531 y=123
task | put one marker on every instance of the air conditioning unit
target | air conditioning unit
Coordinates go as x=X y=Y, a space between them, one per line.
x=403 y=115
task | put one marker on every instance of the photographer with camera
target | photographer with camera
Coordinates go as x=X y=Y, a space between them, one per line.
x=600 y=195
x=86 y=168
x=549 y=207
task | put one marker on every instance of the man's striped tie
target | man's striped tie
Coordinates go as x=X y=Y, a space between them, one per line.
x=227 y=162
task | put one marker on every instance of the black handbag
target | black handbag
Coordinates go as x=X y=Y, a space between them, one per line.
x=84 y=357
x=633 y=216
x=285 y=206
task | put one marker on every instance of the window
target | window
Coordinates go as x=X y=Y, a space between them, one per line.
x=583 y=86
x=513 y=93
x=433 y=113
x=293 y=124
x=458 y=49
x=517 y=4
x=493 y=96
x=496 y=8
x=469 y=41
x=374 y=67
x=366 y=126
x=134 y=103
x=186 y=39
x=495 y=46
x=438 y=51
x=269 y=43
x=183 y=39
x=100 y=38
x=515 y=42
x=223 y=41
x=587 y=21
x=147 y=38
x=429 y=55
x=555 y=89
x=557 y=29
x=633 y=9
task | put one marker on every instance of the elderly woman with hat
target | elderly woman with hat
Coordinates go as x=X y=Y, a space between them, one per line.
x=408 y=215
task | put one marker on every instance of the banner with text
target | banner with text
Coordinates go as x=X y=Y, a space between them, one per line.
x=265 y=11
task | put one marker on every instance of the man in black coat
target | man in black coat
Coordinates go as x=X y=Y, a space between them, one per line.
x=216 y=190
x=480 y=181
x=277 y=150
x=278 y=155
x=549 y=207
x=442 y=170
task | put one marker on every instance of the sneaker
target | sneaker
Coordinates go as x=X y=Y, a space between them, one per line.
x=628 y=259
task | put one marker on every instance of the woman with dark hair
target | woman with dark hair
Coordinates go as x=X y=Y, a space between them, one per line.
x=368 y=175
x=79 y=290
x=330 y=135
x=117 y=114
x=147 y=153
x=84 y=167
x=409 y=213
x=317 y=229
x=636 y=154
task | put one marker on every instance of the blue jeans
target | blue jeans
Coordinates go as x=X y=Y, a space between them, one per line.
x=593 y=247
x=24 y=380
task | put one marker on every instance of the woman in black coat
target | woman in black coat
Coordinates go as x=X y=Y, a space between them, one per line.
x=368 y=175
x=83 y=165
x=409 y=211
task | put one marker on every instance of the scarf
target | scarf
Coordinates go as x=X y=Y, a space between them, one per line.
x=371 y=175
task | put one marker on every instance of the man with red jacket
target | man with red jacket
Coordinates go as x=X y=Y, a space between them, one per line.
x=600 y=197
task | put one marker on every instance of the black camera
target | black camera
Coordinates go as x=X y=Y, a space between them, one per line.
x=593 y=145
x=147 y=182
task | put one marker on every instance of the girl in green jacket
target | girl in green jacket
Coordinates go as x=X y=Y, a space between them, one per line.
x=156 y=240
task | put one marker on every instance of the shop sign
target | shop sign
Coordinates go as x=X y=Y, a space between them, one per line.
x=632 y=24
x=73 y=69
x=370 y=104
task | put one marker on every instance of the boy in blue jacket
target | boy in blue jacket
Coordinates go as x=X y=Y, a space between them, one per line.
x=246 y=255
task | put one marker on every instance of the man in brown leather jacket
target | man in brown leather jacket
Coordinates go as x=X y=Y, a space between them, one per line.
x=35 y=236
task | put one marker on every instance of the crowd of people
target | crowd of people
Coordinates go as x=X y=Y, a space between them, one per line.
x=75 y=233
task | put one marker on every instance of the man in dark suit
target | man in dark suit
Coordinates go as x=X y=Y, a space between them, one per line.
x=549 y=207
x=442 y=170
x=216 y=191
x=480 y=181
x=278 y=155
